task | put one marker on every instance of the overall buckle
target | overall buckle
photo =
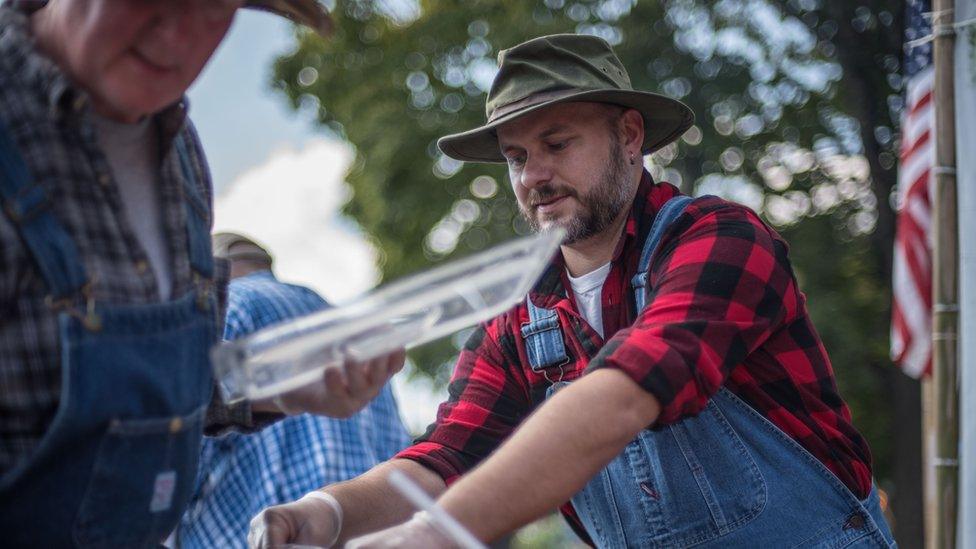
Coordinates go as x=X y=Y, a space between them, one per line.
x=88 y=317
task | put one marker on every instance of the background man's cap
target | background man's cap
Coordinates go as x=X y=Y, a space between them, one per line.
x=237 y=247
x=558 y=69
x=310 y=13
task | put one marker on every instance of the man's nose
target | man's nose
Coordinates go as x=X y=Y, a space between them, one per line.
x=537 y=171
x=180 y=21
x=175 y=26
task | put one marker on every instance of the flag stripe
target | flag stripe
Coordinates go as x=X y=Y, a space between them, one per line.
x=911 y=320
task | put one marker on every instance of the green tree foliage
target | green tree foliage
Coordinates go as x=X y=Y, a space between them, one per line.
x=796 y=103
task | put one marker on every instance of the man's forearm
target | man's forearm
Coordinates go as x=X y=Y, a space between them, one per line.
x=369 y=503
x=553 y=454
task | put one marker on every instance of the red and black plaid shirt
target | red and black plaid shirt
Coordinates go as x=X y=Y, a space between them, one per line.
x=723 y=309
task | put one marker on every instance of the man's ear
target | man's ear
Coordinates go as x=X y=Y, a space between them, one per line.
x=632 y=126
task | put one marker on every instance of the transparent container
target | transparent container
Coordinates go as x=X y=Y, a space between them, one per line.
x=406 y=313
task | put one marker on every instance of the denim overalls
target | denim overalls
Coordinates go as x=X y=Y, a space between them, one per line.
x=116 y=466
x=724 y=478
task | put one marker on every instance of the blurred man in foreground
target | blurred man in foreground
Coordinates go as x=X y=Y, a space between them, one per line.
x=108 y=289
x=240 y=474
x=663 y=377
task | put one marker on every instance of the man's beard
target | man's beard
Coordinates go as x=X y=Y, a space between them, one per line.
x=599 y=207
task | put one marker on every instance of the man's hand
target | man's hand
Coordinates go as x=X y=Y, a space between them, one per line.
x=341 y=392
x=418 y=532
x=311 y=520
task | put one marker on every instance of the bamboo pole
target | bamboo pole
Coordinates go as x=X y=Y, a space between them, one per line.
x=945 y=283
x=928 y=460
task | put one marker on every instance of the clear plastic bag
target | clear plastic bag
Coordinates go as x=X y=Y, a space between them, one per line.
x=406 y=313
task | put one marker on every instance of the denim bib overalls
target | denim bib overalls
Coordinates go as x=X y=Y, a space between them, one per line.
x=116 y=465
x=727 y=477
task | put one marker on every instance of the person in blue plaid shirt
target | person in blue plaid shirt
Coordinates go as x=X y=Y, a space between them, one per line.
x=240 y=474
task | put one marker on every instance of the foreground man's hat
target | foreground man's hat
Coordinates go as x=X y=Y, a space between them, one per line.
x=310 y=13
x=559 y=69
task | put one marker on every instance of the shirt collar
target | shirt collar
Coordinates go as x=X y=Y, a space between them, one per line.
x=23 y=62
x=263 y=274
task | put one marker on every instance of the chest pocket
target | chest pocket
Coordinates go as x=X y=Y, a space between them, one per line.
x=677 y=487
x=710 y=484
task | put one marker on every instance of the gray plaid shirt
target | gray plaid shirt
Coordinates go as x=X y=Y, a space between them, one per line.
x=50 y=121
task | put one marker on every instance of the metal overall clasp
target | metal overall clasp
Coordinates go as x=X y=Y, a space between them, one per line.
x=87 y=315
x=562 y=372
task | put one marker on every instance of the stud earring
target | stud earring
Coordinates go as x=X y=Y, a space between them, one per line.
x=632 y=162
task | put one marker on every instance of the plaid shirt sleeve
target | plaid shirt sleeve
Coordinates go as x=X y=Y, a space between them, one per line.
x=717 y=291
x=488 y=397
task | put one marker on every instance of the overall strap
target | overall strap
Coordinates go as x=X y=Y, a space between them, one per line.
x=668 y=213
x=29 y=208
x=195 y=208
x=543 y=338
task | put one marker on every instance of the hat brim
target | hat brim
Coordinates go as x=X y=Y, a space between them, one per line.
x=665 y=120
x=310 y=13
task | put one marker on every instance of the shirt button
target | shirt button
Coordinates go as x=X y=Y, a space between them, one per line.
x=141 y=266
x=175 y=425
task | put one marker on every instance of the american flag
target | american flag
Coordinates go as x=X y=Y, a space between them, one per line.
x=911 y=323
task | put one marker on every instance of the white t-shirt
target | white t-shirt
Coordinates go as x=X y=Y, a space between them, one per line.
x=588 y=290
x=132 y=152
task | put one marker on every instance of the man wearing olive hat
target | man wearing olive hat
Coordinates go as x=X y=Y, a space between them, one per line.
x=663 y=377
x=108 y=289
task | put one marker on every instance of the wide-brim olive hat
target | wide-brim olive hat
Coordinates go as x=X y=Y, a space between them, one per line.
x=310 y=13
x=564 y=68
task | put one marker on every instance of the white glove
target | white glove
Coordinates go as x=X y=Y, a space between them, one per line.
x=419 y=532
x=315 y=519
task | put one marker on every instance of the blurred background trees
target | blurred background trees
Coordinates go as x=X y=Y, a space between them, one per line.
x=797 y=105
